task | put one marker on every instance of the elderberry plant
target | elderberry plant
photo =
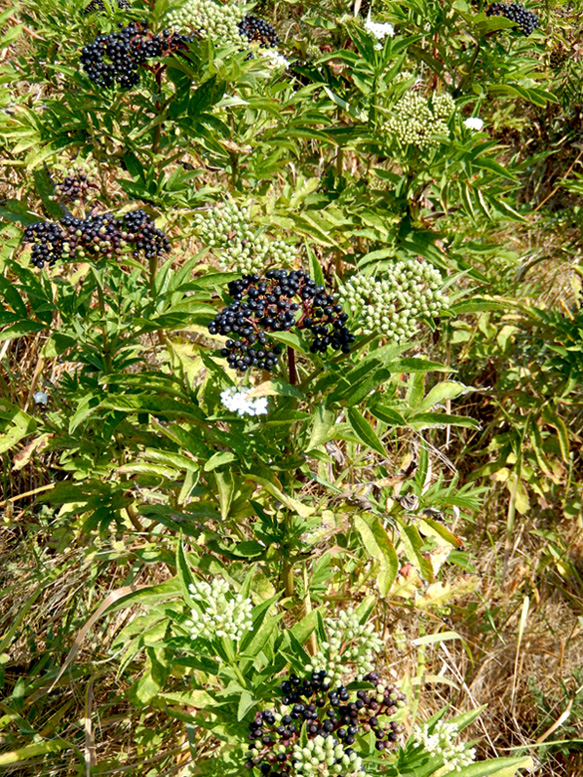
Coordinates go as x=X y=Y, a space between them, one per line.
x=116 y=58
x=409 y=291
x=99 y=5
x=278 y=302
x=72 y=239
x=229 y=231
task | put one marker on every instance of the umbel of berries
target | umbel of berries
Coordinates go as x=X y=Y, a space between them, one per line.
x=313 y=728
x=526 y=20
x=116 y=58
x=72 y=239
x=278 y=302
x=258 y=31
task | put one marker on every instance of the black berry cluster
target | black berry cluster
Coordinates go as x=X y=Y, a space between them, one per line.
x=526 y=20
x=277 y=302
x=74 y=188
x=72 y=239
x=99 y=5
x=338 y=713
x=258 y=31
x=116 y=58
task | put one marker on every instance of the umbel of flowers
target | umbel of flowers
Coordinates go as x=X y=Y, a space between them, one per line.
x=313 y=727
x=350 y=648
x=219 y=612
x=421 y=122
x=277 y=302
x=409 y=291
x=229 y=231
x=440 y=740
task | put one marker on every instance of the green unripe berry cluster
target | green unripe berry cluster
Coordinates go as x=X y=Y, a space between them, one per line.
x=350 y=649
x=325 y=757
x=237 y=243
x=213 y=20
x=416 y=121
x=410 y=290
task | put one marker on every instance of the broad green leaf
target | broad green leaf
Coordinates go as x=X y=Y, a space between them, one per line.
x=364 y=431
x=380 y=547
x=288 y=501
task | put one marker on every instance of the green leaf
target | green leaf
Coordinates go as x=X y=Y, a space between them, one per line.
x=448 y=389
x=184 y=574
x=295 y=505
x=364 y=431
x=380 y=547
x=219 y=459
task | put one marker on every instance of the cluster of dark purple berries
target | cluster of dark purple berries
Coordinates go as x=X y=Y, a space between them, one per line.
x=271 y=306
x=526 y=20
x=258 y=31
x=72 y=239
x=99 y=5
x=116 y=58
x=73 y=188
x=311 y=704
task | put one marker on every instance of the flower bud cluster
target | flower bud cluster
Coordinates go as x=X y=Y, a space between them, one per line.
x=416 y=121
x=229 y=231
x=324 y=758
x=210 y=19
x=116 y=58
x=72 y=239
x=239 y=402
x=441 y=742
x=410 y=290
x=311 y=731
x=223 y=615
x=278 y=302
x=350 y=648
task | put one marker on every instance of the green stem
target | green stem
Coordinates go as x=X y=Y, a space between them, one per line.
x=107 y=363
x=288 y=577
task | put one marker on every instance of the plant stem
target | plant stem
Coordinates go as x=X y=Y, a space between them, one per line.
x=288 y=577
x=107 y=364
x=291 y=356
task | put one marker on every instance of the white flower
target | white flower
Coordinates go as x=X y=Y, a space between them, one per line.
x=473 y=123
x=380 y=31
x=274 y=58
x=441 y=742
x=224 y=615
x=238 y=402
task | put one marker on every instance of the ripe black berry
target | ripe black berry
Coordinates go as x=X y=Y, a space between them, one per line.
x=115 y=58
x=526 y=20
x=72 y=239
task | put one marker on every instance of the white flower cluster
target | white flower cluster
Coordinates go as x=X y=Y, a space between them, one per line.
x=224 y=615
x=409 y=291
x=349 y=644
x=379 y=31
x=325 y=757
x=473 y=123
x=441 y=742
x=274 y=58
x=230 y=229
x=418 y=122
x=212 y=19
x=239 y=402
